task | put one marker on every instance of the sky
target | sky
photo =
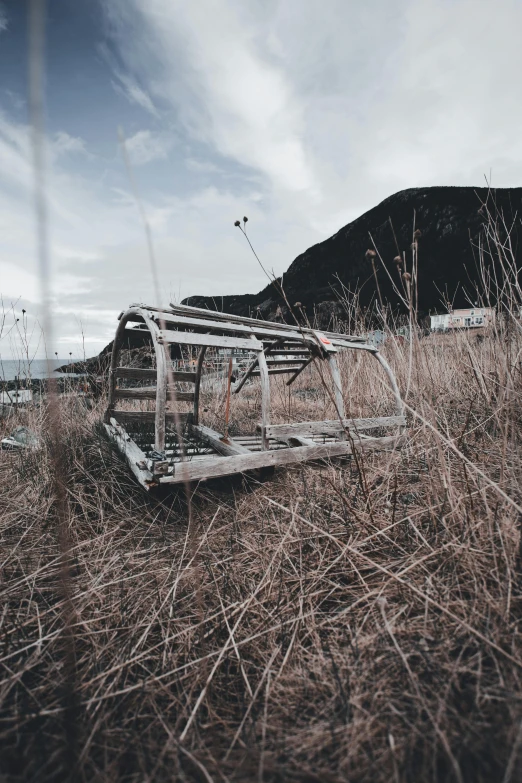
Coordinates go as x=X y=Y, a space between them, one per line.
x=299 y=114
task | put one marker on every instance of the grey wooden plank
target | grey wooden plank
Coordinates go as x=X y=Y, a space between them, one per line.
x=299 y=371
x=274 y=371
x=298 y=440
x=144 y=417
x=146 y=374
x=136 y=373
x=134 y=455
x=256 y=322
x=197 y=385
x=265 y=398
x=227 y=447
x=307 y=428
x=338 y=387
x=150 y=394
x=278 y=362
x=286 y=456
x=228 y=326
x=210 y=340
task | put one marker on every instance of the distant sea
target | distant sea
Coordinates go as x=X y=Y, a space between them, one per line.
x=38 y=368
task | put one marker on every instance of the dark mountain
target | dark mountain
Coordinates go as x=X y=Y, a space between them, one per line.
x=450 y=220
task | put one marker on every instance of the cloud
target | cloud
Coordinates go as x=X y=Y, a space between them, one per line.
x=237 y=99
x=298 y=118
x=63 y=143
x=339 y=109
x=127 y=87
x=203 y=166
x=98 y=249
x=146 y=146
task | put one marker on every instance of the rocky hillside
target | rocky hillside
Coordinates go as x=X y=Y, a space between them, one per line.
x=450 y=220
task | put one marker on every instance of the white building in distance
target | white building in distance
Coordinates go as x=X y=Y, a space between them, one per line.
x=463 y=318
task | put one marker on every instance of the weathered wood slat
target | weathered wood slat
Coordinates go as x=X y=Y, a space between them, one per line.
x=132 y=453
x=229 y=326
x=338 y=387
x=144 y=417
x=265 y=398
x=270 y=350
x=197 y=383
x=307 y=428
x=274 y=371
x=149 y=374
x=247 y=375
x=298 y=440
x=280 y=361
x=255 y=322
x=210 y=340
x=136 y=373
x=150 y=394
x=226 y=447
x=240 y=464
x=299 y=371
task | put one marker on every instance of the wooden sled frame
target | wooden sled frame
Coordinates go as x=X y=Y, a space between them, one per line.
x=185 y=451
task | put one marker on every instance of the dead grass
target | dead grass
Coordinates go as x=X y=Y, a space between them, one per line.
x=340 y=622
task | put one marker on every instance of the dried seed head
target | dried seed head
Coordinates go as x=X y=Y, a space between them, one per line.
x=417 y=233
x=298 y=304
x=237 y=223
x=370 y=254
x=245 y=220
x=397 y=260
x=406 y=276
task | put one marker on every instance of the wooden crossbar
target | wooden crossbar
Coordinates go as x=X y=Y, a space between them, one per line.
x=225 y=446
x=299 y=371
x=226 y=466
x=150 y=394
x=150 y=374
x=280 y=361
x=259 y=330
x=145 y=417
x=306 y=428
x=274 y=371
x=166 y=336
x=288 y=329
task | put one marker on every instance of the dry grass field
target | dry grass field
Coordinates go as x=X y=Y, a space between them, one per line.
x=353 y=621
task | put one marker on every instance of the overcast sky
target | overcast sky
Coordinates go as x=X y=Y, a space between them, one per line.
x=300 y=114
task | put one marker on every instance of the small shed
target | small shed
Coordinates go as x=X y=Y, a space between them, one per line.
x=167 y=445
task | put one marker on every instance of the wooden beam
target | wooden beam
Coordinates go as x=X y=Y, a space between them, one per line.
x=227 y=466
x=297 y=440
x=144 y=417
x=338 y=388
x=197 y=386
x=274 y=371
x=307 y=428
x=288 y=329
x=225 y=325
x=299 y=371
x=250 y=371
x=265 y=398
x=150 y=394
x=150 y=374
x=278 y=362
x=136 y=373
x=135 y=457
x=210 y=340
x=227 y=447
